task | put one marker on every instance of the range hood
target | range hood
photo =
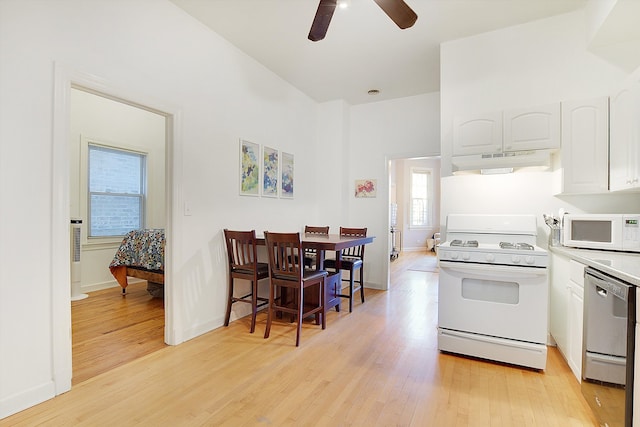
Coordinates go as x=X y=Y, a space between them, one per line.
x=502 y=161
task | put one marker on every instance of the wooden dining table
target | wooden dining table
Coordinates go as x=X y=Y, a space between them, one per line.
x=332 y=243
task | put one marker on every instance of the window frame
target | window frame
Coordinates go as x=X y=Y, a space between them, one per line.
x=144 y=158
x=428 y=211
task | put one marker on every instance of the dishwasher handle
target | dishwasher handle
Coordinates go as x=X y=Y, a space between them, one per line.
x=607 y=285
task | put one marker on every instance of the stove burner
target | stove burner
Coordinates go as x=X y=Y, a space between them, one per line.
x=467 y=244
x=520 y=246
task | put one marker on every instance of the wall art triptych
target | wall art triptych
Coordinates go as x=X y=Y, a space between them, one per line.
x=267 y=172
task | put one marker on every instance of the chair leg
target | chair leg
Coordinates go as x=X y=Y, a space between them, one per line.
x=351 y=291
x=324 y=304
x=270 y=309
x=300 y=310
x=362 y=284
x=254 y=305
x=229 y=302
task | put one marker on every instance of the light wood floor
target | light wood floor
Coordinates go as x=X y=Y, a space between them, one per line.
x=376 y=366
x=110 y=330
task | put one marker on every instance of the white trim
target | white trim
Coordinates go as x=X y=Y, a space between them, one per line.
x=64 y=78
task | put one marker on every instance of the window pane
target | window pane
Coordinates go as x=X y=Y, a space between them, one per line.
x=419 y=209
x=114 y=215
x=114 y=171
x=116 y=191
x=419 y=185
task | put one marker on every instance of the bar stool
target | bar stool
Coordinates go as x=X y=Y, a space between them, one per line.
x=351 y=259
x=243 y=255
x=287 y=273
x=310 y=253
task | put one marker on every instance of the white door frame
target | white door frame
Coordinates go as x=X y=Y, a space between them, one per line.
x=64 y=79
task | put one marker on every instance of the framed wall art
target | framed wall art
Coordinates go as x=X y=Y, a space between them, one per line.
x=366 y=188
x=286 y=176
x=269 y=172
x=249 y=168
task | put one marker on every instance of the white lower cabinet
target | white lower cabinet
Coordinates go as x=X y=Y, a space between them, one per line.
x=558 y=295
x=567 y=309
x=575 y=310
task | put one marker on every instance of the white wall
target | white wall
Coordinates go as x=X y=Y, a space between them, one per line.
x=151 y=50
x=106 y=121
x=381 y=131
x=527 y=65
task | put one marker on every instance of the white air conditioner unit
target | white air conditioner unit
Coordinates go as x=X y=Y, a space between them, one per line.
x=76 y=273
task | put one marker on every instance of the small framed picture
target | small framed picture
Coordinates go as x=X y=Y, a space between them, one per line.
x=286 y=176
x=249 y=168
x=366 y=188
x=270 y=172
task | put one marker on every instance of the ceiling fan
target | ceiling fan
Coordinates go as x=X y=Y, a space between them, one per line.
x=397 y=10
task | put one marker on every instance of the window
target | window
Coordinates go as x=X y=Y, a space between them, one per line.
x=420 y=209
x=116 y=191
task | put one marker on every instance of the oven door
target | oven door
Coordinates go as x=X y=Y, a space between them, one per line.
x=494 y=300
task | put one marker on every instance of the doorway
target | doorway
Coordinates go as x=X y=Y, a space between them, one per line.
x=109 y=329
x=414 y=230
x=64 y=79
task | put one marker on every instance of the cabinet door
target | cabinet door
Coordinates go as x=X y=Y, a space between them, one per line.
x=585 y=146
x=624 y=139
x=558 y=301
x=575 y=327
x=532 y=128
x=477 y=134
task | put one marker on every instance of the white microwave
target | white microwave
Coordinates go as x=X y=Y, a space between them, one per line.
x=613 y=232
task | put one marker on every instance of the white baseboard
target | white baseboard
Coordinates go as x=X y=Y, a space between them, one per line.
x=25 y=399
x=106 y=285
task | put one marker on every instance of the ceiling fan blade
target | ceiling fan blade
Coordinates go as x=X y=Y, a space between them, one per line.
x=322 y=19
x=399 y=12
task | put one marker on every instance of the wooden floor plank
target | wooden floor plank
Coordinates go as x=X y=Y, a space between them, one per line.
x=378 y=365
x=110 y=330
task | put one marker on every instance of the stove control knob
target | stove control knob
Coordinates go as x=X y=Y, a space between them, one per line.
x=454 y=255
x=491 y=257
x=465 y=256
x=515 y=259
x=529 y=260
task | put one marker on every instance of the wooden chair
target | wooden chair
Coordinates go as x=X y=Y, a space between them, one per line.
x=243 y=256
x=351 y=260
x=287 y=273
x=310 y=253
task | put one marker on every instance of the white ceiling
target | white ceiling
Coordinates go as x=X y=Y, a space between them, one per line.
x=363 y=48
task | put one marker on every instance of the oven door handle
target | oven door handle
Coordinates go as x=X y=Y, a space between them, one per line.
x=492 y=269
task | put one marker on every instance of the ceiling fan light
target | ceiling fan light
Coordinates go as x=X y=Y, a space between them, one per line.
x=343 y=4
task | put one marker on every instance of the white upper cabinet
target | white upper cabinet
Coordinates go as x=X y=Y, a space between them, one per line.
x=624 y=139
x=532 y=128
x=585 y=146
x=520 y=129
x=477 y=134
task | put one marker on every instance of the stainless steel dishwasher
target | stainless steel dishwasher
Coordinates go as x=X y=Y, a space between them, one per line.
x=608 y=348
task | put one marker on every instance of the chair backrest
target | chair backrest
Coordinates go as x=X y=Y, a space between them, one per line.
x=241 y=249
x=309 y=229
x=285 y=255
x=356 y=251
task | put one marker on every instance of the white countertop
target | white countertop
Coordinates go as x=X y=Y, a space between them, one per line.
x=623 y=265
